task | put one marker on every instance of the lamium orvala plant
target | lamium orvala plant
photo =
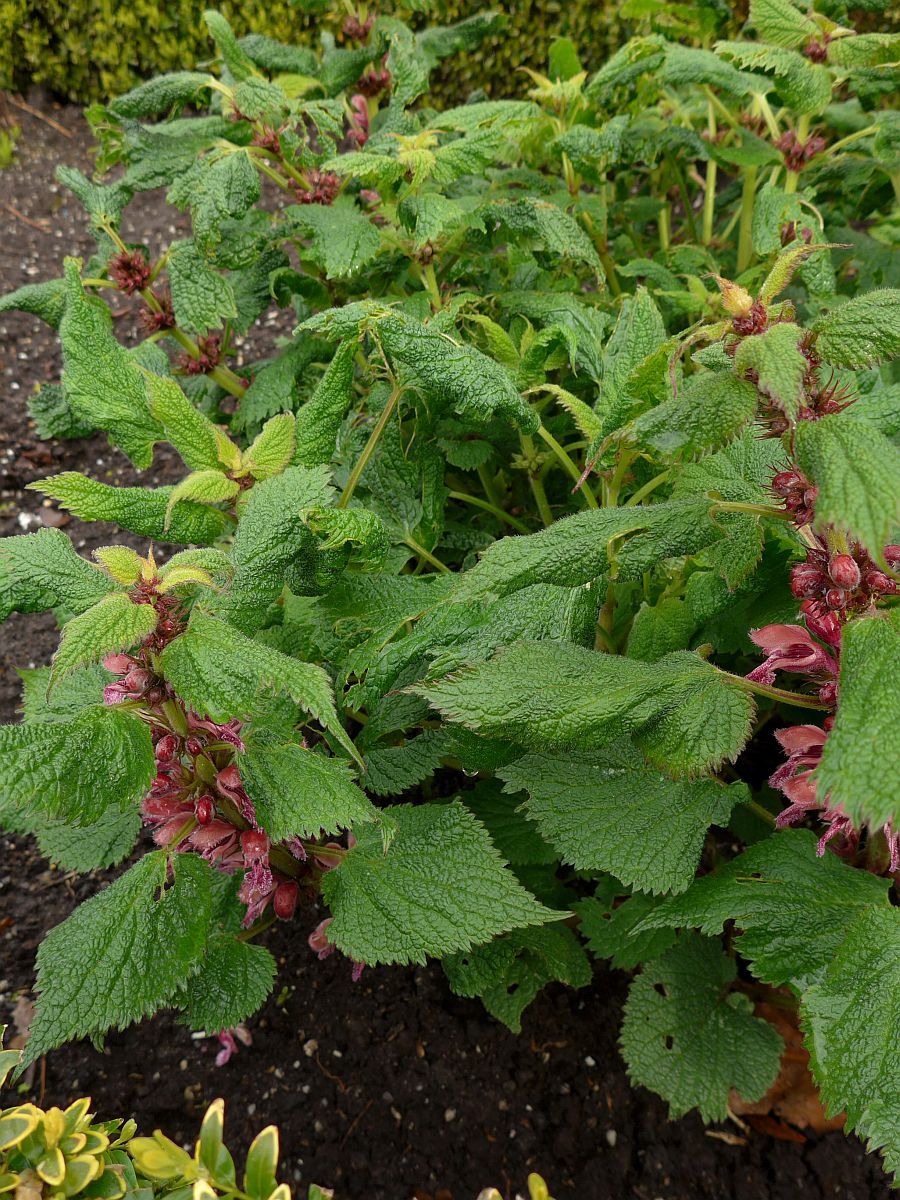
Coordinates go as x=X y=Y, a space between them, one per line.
x=537 y=599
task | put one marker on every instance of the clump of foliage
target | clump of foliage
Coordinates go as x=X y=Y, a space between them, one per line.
x=588 y=404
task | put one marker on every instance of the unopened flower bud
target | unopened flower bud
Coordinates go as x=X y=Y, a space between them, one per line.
x=194 y=746
x=254 y=845
x=878 y=582
x=892 y=556
x=229 y=778
x=785 y=482
x=807 y=580
x=205 y=810
x=285 y=900
x=844 y=571
x=167 y=748
x=827 y=627
x=836 y=598
x=736 y=300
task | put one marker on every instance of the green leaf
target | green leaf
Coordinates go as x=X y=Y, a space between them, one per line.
x=660 y=628
x=232 y=982
x=360 y=533
x=509 y=972
x=863 y=332
x=454 y=372
x=100 y=759
x=802 y=85
x=390 y=770
x=709 y=411
x=93 y=847
x=121 y=954
x=608 y=928
x=270 y=537
x=45 y=300
x=515 y=836
x=861 y=758
x=210 y=486
x=221 y=673
x=578 y=549
x=793 y=907
x=161 y=94
x=684 y=714
x=103 y=382
x=114 y=623
x=201 y=297
x=552 y=229
x=78 y=691
x=440 y=887
x=41 y=570
x=782 y=24
x=851 y=1017
x=775 y=355
x=320 y=418
x=272 y=448
x=139 y=510
x=223 y=185
x=234 y=58
x=298 y=792
x=609 y=811
x=857 y=471
x=343 y=239
x=687 y=1038
x=51 y=411
x=196 y=438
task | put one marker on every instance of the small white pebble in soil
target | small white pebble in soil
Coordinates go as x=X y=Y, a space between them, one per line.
x=183 y=1065
x=251 y=1109
x=296 y=1064
x=589 y=1062
x=449 y=1115
x=310 y=1047
x=336 y=1054
x=611 y=1137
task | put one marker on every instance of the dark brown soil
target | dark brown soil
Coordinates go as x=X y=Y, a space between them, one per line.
x=384 y=1089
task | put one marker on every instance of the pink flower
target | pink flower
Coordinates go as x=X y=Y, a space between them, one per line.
x=803 y=744
x=229 y=1039
x=790 y=648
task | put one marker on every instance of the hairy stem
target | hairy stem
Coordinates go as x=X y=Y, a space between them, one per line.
x=745 y=230
x=569 y=466
x=537 y=486
x=494 y=509
x=369 y=447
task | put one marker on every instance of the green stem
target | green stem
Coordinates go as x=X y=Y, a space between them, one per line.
x=745 y=232
x=258 y=927
x=757 y=808
x=426 y=555
x=709 y=195
x=369 y=447
x=100 y=283
x=487 y=483
x=465 y=498
x=537 y=487
x=643 y=492
x=686 y=202
x=762 y=510
x=851 y=137
x=570 y=467
x=430 y=280
x=768 y=116
x=774 y=693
